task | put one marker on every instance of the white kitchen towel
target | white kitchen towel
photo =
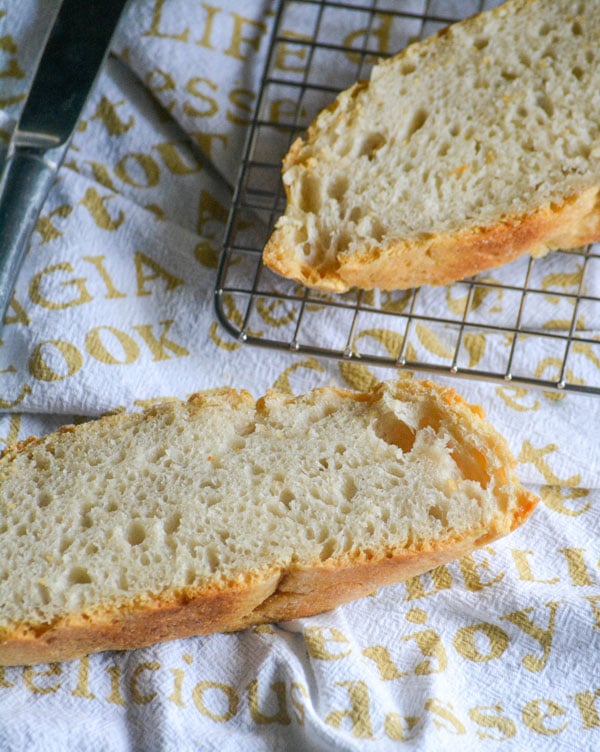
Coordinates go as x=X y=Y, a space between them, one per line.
x=114 y=309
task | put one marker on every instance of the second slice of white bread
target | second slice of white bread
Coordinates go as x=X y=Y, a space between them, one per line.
x=220 y=513
x=460 y=154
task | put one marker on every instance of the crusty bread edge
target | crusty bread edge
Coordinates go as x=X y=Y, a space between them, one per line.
x=271 y=594
x=438 y=258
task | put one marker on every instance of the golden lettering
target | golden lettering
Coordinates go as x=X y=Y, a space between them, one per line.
x=272 y=313
x=470 y=568
x=297 y=52
x=537 y=712
x=317 y=640
x=401 y=728
x=83 y=680
x=444 y=711
x=175 y=696
x=7 y=404
x=576 y=564
x=115 y=697
x=171 y=153
x=155 y=31
x=159 y=81
x=20 y=316
x=358 y=713
x=544 y=636
x=238 y=38
x=241 y=99
x=211 y=12
x=205 y=141
x=45 y=226
x=101 y=175
x=535 y=456
x=226 y=691
x=554 y=498
x=209 y=210
x=465 y=642
x=431 y=646
x=282 y=382
x=225 y=344
x=488 y=716
x=4 y=683
x=441 y=580
x=161 y=346
x=12 y=69
x=141 y=260
x=380 y=30
x=14 y=426
x=211 y=105
x=586 y=704
x=280 y=715
x=206 y=254
x=94 y=203
x=136 y=694
x=32 y=673
x=285 y=109
x=524 y=568
x=54 y=349
x=380 y=655
x=35 y=288
x=107 y=113
x=297 y=691
x=98 y=263
x=147 y=172
x=518 y=393
x=97 y=349
x=595 y=606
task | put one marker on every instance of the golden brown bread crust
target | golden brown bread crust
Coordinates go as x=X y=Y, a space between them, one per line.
x=273 y=594
x=441 y=259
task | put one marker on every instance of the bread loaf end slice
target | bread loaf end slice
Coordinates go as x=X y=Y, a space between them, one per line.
x=221 y=512
x=460 y=154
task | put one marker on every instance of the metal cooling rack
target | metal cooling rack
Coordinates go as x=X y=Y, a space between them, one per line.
x=532 y=322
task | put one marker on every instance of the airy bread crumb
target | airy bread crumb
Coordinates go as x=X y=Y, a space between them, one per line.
x=461 y=153
x=220 y=512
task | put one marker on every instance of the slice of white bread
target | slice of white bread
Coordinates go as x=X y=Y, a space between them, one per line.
x=460 y=154
x=222 y=512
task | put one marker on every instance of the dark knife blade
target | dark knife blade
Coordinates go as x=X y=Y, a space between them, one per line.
x=72 y=58
x=67 y=70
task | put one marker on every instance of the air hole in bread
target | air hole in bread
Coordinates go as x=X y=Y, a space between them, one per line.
x=394 y=431
x=544 y=103
x=577 y=72
x=509 y=75
x=286 y=497
x=545 y=29
x=472 y=467
x=44 y=499
x=310 y=194
x=349 y=489
x=327 y=549
x=371 y=143
x=407 y=68
x=79 y=576
x=136 y=533
x=438 y=513
x=576 y=29
x=418 y=120
x=171 y=524
x=337 y=187
x=481 y=43
x=44 y=593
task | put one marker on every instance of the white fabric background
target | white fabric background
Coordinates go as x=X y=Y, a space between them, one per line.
x=498 y=650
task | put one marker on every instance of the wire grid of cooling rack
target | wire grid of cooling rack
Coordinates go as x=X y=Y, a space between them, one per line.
x=532 y=322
